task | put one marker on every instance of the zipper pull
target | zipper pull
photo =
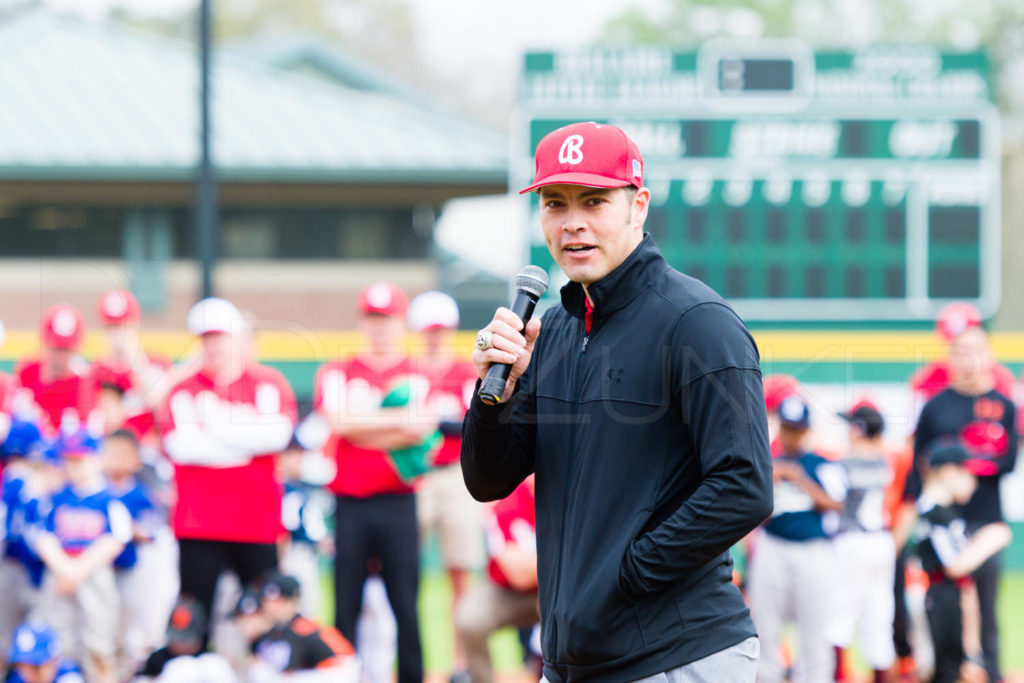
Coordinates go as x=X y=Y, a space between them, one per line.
x=586 y=340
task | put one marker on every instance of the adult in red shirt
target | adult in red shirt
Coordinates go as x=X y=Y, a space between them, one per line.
x=376 y=505
x=129 y=381
x=57 y=385
x=508 y=594
x=443 y=502
x=222 y=426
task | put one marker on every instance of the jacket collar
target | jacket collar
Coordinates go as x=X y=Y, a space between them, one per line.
x=620 y=286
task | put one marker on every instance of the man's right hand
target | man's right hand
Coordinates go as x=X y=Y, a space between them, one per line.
x=508 y=346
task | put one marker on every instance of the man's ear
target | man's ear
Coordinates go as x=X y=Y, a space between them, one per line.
x=641 y=203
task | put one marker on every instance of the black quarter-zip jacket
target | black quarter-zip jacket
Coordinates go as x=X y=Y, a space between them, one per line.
x=649 y=442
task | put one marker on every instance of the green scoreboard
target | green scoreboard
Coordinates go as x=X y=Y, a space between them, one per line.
x=803 y=186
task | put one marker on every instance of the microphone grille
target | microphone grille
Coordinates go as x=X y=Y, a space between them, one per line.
x=532 y=279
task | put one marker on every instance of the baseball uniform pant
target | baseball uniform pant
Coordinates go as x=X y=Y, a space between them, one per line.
x=19 y=597
x=86 y=623
x=791 y=581
x=736 y=664
x=901 y=616
x=944 y=621
x=380 y=528
x=484 y=609
x=301 y=561
x=986 y=577
x=864 y=605
x=201 y=562
x=378 y=634
x=443 y=502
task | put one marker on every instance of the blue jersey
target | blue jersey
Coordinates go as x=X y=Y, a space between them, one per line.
x=795 y=517
x=20 y=512
x=303 y=512
x=78 y=520
x=67 y=672
x=139 y=503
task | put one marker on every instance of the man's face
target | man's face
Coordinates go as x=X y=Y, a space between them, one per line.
x=384 y=332
x=120 y=457
x=438 y=339
x=59 y=360
x=590 y=231
x=969 y=354
x=82 y=470
x=280 y=610
x=960 y=481
x=119 y=338
x=791 y=439
x=37 y=673
x=217 y=350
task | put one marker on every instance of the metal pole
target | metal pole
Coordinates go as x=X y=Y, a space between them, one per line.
x=206 y=224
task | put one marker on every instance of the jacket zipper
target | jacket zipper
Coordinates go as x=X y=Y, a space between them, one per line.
x=569 y=481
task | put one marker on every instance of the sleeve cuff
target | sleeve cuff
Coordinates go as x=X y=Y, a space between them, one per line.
x=483 y=413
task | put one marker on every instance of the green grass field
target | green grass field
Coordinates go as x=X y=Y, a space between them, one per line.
x=436 y=626
x=1011 y=620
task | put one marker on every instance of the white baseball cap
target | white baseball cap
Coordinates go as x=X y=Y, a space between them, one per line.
x=214 y=315
x=433 y=309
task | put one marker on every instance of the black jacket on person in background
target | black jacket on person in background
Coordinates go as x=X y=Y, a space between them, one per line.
x=649 y=441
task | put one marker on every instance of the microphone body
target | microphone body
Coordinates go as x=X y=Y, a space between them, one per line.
x=530 y=283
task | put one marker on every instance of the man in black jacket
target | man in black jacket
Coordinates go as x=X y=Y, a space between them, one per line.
x=640 y=408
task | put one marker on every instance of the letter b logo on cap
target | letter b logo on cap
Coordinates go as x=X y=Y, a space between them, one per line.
x=571 y=151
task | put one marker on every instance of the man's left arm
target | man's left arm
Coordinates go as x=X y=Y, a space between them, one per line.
x=722 y=401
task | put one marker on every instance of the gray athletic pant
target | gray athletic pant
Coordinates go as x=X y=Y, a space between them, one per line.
x=790 y=581
x=736 y=664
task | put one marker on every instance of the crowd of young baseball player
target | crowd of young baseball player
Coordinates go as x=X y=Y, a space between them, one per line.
x=170 y=521
x=894 y=547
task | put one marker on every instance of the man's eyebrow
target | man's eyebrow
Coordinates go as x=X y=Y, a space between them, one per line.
x=590 y=192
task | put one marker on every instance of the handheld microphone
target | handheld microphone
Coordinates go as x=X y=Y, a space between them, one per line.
x=531 y=282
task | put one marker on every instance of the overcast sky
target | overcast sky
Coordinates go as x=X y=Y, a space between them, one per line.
x=456 y=35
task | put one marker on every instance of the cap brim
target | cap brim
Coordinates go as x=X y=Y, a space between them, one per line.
x=587 y=179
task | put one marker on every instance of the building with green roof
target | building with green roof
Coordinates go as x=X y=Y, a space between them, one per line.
x=324 y=182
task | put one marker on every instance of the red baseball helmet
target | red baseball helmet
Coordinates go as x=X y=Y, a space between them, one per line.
x=955 y=318
x=118 y=306
x=62 y=327
x=777 y=388
x=383 y=298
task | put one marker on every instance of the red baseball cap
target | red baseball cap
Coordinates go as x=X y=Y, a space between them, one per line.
x=383 y=298
x=778 y=388
x=956 y=318
x=62 y=327
x=118 y=306
x=591 y=154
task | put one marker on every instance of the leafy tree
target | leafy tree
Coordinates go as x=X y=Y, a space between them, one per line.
x=996 y=26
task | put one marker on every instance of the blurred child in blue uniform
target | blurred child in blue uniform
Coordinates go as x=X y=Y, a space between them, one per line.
x=85 y=530
x=35 y=657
